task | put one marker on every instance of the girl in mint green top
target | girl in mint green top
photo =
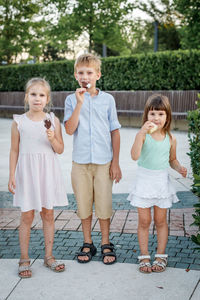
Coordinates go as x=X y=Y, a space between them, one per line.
x=155 y=149
x=155 y=154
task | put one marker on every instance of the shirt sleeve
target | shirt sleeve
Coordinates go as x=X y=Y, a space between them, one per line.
x=68 y=109
x=114 y=123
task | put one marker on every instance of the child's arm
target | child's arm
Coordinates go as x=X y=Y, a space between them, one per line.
x=174 y=163
x=55 y=137
x=72 y=123
x=139 y=140
x=14 y=153
x=115 y=171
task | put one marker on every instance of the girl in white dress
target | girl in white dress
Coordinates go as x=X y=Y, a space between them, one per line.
x=35 y=176
x=155 y=149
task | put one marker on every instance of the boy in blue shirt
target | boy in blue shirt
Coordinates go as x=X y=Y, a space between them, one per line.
x=90 y=115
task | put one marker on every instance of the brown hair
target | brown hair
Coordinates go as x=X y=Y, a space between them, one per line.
x=88 y=59
x=158 y=102
x=44 y=83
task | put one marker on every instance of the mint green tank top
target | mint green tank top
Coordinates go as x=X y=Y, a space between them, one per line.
x=155 y=154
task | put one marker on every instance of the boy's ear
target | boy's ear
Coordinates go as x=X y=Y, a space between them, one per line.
x=75 y=75
x=98 y=75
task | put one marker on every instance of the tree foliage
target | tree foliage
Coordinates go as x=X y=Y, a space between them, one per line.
x=163 y=12
x=19 y=28
x=102 y=20
x=190 y=21
x=49 y=30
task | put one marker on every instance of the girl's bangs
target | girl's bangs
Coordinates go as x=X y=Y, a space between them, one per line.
x=157 y=105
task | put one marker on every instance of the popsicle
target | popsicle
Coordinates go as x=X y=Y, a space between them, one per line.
x=47 y=123
x=86 y=85
x=154 y=128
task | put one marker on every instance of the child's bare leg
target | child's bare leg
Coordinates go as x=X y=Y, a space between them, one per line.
x=160 y=220
x=144 y=221
x=47 y=216
x=105 y=230
x=24 y=236
x=86 y=227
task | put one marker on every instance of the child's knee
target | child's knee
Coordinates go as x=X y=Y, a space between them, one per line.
x=160 y=222
x=27 y=217
x=47 y=215
x=144 y=223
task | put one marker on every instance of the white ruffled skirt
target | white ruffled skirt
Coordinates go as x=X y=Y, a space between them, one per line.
x=152 y=188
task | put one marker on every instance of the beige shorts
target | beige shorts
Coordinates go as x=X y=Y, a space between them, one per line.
x=92 y=184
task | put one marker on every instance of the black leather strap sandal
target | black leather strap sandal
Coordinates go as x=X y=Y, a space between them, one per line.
x=111 y=253
x=89 y=254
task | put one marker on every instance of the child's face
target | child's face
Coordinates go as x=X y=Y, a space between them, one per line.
x=37 y=97
x=87 y=74
x=158 y=117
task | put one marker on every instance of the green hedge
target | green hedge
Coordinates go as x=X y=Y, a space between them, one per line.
x=194 y=141
x=170 y=70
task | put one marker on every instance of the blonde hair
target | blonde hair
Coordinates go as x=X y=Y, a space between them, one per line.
x=88 y=59
x=159 y=102
x=45 y=84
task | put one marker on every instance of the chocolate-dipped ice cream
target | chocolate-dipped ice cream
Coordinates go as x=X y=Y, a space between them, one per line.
x=47 y=123
x=85 y=85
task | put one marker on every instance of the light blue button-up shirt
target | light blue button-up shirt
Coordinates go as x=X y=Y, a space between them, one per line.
x=92 y=138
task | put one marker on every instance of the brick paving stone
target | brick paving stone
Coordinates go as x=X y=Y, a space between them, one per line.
x=60 y=224
x=182 y=266
x=180 y=254
x=171 y=264
x=187 y=260
x=186 y=250
x=194 y=267
x=73 y=224
x=67 y=242
x=177 y=233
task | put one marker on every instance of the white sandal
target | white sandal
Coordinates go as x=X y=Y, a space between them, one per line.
x=162 y=263
x=144 y=264
x=22 y=268
x=52 y=266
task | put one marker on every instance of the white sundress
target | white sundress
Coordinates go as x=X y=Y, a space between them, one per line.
x=39 y=181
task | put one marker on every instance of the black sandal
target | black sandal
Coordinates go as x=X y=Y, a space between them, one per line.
x=89 y=254
x=111 y=253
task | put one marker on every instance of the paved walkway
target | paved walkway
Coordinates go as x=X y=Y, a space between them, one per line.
x=85 y=282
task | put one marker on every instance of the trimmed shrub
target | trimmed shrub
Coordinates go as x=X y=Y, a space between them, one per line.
x=170 y=70
x=194 y=140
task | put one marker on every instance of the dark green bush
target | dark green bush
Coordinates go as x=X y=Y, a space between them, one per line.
x=170 y=70
x=196 y=216
x=194 y=140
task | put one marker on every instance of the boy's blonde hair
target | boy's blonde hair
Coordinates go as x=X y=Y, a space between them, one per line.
x=45 y=84
x=159 y=102
x=88 y=59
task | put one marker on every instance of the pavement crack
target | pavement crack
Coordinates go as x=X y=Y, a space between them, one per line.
x=18 y=282
x=194 y=289
x=122 y=231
